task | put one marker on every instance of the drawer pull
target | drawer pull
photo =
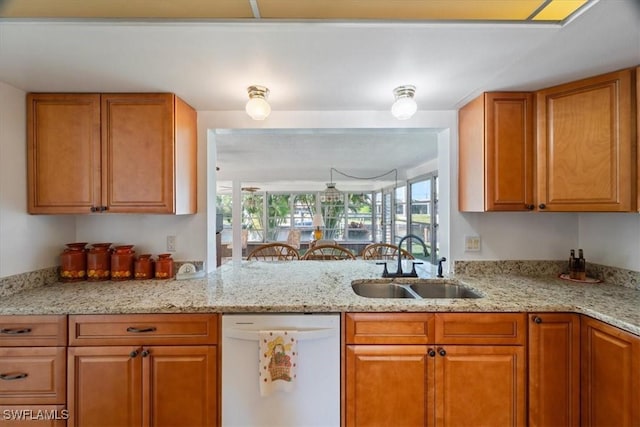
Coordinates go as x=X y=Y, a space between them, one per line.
x=141 y=330
x=15 y=331
x=9 y=377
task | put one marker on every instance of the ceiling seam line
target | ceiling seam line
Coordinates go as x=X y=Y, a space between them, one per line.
x=255 y=9
x=538 y=10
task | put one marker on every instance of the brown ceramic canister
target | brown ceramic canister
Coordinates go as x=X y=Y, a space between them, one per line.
x=73 y=262
x=99 y=262
x=143 y=267
x=164 y=266
x=122 y=263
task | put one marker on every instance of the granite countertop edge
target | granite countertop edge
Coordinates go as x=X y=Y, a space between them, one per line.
x=322 y=287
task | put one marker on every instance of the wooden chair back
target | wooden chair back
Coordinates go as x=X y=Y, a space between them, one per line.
x=328 y=252
x=274 y=252
x=384 y=251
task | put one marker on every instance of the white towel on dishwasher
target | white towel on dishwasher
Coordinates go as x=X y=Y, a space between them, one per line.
x=278 y=361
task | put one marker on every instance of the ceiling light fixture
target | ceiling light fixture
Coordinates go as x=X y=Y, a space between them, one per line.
x=257 y=107
x=333 y=195
x=405 y=105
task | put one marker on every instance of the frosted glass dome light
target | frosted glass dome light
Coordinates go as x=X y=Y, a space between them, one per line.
x=405 y=105
x=257 y=107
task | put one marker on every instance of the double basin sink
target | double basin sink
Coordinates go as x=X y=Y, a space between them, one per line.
x=416 y=288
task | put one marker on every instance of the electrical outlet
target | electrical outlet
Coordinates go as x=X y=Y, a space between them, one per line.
x=171 y=243
x=471 y=243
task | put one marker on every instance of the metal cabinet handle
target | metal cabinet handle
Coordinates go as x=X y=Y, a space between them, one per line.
x=145 y=353
x=134 y=353
x=431 y=352
x=442 y=352
x=537 y=319
x=15 y=331
x=135 y=330
x=542 y=206
x=9 y=377
x=529 y=207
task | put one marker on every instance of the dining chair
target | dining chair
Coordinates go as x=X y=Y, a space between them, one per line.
x=327 y=253
x=384 y=251
x=276 y=251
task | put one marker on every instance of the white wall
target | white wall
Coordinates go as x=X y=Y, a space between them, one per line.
x=611 y=239
x=31 y=242
x=27 y=242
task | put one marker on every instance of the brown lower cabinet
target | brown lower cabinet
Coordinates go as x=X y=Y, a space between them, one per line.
x=146 y=374
x=610 y=388
x=458 y=378
x=554 y=369
x=32 y=371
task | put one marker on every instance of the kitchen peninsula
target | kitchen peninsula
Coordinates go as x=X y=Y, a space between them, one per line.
x=320 y=286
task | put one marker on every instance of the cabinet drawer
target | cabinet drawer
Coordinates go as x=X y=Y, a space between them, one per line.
x=33 y=415
x=32 y=375
x=481 y=328
x=143 y=329
x=33 y=331
x=389 y=328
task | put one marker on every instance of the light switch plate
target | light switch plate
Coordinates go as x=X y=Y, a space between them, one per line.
x=472 y=243
x=171 y=243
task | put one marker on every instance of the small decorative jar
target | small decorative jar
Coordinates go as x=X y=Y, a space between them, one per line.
x=99 y=262
x=73 y=262
x=122 y=263
x=143 y=267
x=164 y=266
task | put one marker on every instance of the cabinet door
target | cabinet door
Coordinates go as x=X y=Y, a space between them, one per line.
x=63 y=153
x=138 y=152
x=180 y=386
x=496 y=153
x=104 y=386
x=610 y=375
x=480 y=386
x=585 y=154
x=389 y=385
x=554 y=369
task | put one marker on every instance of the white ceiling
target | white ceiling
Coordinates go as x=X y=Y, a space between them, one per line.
x=316 y=65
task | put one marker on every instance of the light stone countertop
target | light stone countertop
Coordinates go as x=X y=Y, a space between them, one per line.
x=323 y=286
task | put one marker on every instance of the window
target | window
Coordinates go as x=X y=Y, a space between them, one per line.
x=423 y=214
x=359 y=217
x=224 y=206
x=304 y=207
x=400 y=213
x=278 y=216
x=253 y=216
x=334 y=219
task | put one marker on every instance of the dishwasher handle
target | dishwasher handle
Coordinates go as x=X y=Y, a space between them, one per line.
x=303 y=334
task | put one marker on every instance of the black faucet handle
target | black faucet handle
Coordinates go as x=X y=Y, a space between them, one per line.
x=440 y=261
x=385 y=272
x=414 y=273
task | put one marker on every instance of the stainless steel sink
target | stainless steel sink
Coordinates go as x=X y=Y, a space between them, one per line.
x=412 y=288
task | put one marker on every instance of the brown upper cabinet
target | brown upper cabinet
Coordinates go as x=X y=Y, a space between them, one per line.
x=586 y=158
x=496 y=153
x=121 y=153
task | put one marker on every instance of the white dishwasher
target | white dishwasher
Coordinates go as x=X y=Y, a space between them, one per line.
x=315 y=399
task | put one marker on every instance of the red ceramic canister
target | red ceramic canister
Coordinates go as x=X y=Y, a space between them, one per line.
x=164 y=266
x=122 y=263
x=99 y=262
x=73 y=262
x=143 y=267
